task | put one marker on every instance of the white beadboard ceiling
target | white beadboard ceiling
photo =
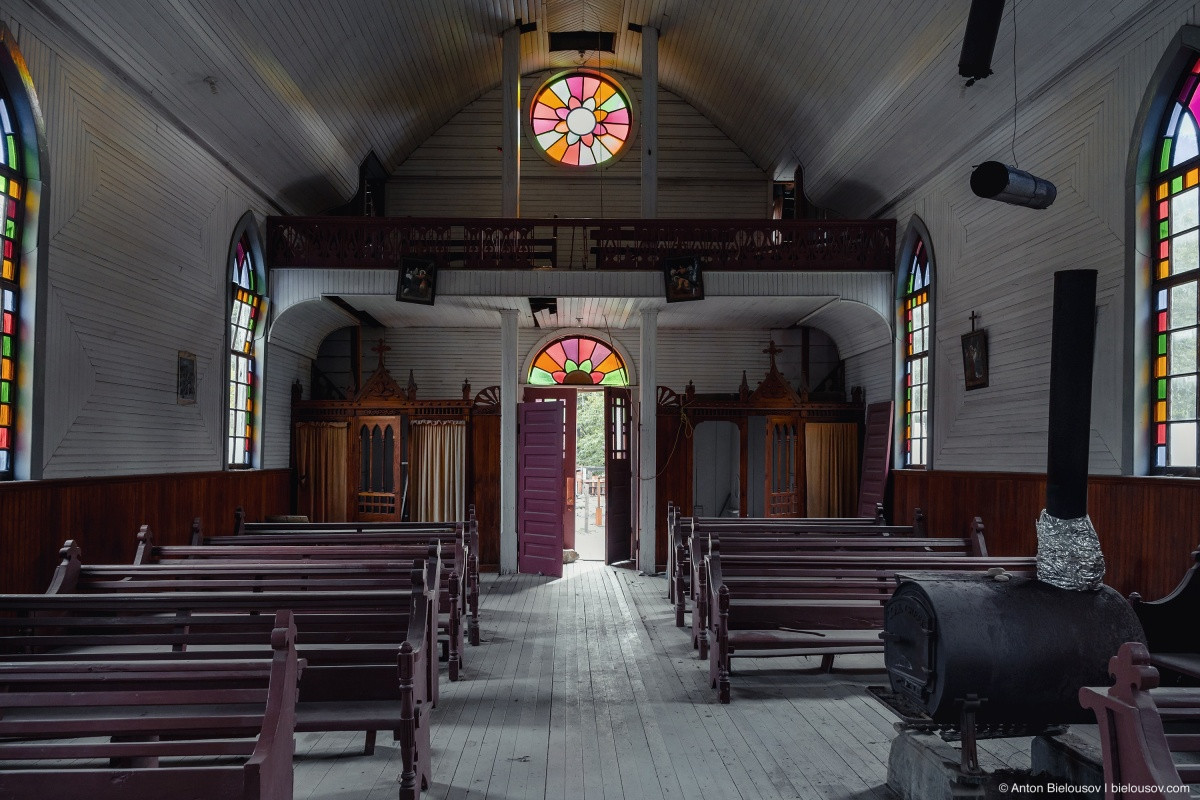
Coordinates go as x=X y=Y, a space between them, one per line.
x=865 y=95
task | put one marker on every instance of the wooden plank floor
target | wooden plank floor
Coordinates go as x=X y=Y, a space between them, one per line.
x=546 y=709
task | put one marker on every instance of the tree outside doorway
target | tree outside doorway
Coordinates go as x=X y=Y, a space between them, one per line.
x=590 y=495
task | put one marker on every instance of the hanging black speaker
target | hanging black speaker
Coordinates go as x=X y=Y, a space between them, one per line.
x=995 y=181
x=983 y=23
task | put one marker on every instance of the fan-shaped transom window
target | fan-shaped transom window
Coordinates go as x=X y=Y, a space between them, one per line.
x=580 y=119
x=578 y=361
x=1175 y=218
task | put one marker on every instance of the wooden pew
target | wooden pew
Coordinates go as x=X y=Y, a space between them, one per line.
x=823 y=604
x=418 y=572
x=739 y=543
x=227 y=725
x=456 y=538
x=367 y=651
x=1170 y=626
x=1143 y=729
x=303 y=548
x=691 y=550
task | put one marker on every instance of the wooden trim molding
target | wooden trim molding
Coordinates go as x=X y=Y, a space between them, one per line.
x=103 y=515
x=1147 y=525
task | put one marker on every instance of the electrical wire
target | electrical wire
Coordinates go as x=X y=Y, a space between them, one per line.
x=1014 y=62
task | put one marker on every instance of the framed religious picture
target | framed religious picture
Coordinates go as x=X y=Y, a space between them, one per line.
x=684 y=278
x=975 y=359
x=418 y=280
x=185 y=379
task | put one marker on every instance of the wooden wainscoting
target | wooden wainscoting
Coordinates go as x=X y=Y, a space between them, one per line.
x=104 y=514
x=1148 y=527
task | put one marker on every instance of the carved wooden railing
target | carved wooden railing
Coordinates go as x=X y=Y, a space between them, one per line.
x=380 y=242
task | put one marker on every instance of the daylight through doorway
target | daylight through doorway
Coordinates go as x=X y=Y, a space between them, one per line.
x=591 y=497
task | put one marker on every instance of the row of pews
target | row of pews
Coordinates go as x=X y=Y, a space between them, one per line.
x=764 y=587
x=187 y=672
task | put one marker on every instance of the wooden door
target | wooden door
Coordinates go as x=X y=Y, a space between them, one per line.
x=570 y=434
x=541 y=495
x=876 y=459
x=618 y=476
x=785 y=479
x=378 y=444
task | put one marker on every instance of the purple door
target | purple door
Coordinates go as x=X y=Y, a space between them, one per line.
x=541 y=496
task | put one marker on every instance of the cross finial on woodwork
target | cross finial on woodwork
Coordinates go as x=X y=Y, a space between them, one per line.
x=381 y=348
x=973 y=318
x=772 y=350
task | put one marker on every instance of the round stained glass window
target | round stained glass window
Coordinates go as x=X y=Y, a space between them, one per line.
x=580 y=119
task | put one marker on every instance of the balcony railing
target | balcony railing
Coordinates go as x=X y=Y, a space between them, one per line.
x=574 y=244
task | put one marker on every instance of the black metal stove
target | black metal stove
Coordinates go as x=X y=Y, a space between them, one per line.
x=1019 y=647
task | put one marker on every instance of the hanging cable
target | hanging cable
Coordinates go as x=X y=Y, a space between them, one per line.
x=1014 y=62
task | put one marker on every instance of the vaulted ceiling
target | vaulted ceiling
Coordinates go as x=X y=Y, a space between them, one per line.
x=865 y=95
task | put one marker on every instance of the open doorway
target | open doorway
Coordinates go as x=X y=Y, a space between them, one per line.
x=591 y=495
x=597 y=513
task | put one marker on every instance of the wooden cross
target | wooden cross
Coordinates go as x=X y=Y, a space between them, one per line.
x=772 y=350
x=381 y=348
x=974 y=317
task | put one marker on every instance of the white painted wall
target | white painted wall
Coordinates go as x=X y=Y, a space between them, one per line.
x=1074 y=128
x=701 y=173
x=141 y=219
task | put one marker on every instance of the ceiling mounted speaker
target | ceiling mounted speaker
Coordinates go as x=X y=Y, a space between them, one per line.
x=983 y=23
x=995 y=181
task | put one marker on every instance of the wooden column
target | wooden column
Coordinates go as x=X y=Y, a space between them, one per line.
x=647 y=441
x=510 y=125
x=649 y=126
x=508 y=440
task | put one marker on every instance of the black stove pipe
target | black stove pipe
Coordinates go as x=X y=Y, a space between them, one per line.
x=1071 y=350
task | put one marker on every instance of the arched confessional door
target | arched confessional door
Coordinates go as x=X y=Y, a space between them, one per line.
x=379 y=444
x=785 y=478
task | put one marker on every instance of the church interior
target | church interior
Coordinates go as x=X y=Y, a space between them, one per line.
x=615 y=297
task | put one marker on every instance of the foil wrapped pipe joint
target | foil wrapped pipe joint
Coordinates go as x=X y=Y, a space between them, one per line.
x=1068 y=554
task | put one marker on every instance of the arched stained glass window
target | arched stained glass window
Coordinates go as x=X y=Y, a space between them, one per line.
x=1176 y=263
x=245 y=317
x=580 y=119
x=12 y=191
x=578 y=361
x=916 y=313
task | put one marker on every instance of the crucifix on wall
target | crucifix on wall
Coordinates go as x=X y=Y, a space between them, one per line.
x=975 y=356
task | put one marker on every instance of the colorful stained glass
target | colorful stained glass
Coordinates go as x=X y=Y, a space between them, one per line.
x=12 y=214
x=245 y=313
x=917 y=316
x=1175 y=321
x=578 y=361
x=581 y=119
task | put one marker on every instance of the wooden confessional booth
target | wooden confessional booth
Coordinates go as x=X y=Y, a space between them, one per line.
x=770 y=452
x=384 y=455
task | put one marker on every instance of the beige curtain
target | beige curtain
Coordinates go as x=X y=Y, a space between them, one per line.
x=831 y=460
x=321 y=461
x=437 y=470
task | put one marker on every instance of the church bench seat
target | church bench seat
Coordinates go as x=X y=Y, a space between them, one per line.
x=686 y=534
x=823 y=604
x=343 y=548
x=368 y=652
x=1146 y=734
x=1170 y=626
x=460 y=545
x=102 y=730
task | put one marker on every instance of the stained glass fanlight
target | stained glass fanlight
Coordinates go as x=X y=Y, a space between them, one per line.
x=578 y=361
x=1175 y=221
x=244 y=319
x=915 y=309
x=11 y=196
x=580 y=119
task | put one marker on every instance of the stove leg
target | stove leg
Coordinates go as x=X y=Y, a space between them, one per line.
x=970 y=751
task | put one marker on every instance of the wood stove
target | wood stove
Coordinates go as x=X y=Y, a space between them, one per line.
x=1019 y=648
